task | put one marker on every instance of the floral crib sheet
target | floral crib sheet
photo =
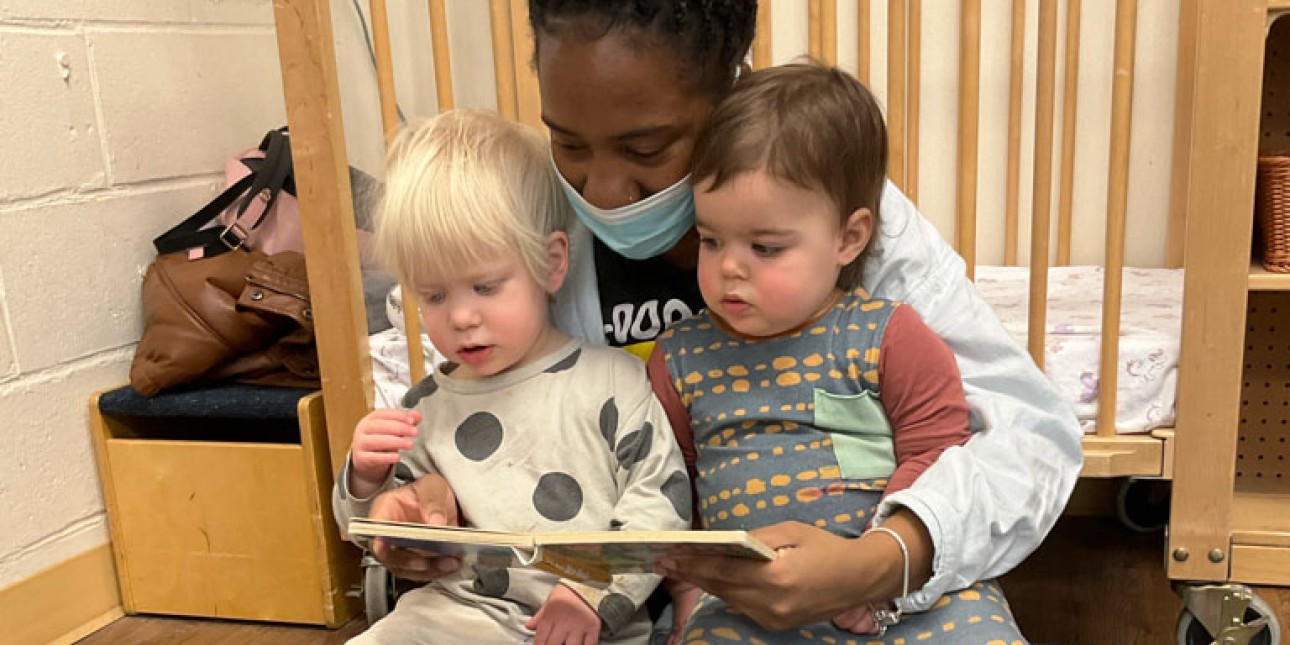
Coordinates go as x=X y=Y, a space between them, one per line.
x=1150 y=329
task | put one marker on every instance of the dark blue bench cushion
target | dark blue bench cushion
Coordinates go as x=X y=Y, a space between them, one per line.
x=222 y=401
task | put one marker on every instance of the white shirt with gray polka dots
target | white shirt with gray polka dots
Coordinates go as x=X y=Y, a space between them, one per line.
x=574 y=441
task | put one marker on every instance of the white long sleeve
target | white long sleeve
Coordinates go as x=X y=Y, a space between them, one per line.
x=990 y=503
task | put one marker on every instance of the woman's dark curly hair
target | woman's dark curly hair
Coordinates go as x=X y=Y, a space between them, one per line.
x=710 y=37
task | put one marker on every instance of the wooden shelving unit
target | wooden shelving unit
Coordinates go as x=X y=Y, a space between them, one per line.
x=1263 y=280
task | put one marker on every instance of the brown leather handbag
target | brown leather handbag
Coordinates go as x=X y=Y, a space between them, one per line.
x=240 y=316
x=216 y=310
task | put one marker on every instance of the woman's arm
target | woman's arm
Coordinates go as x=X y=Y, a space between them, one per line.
x=988 y=505
x=815 y=575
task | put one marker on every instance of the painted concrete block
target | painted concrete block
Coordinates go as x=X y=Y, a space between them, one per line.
x=8 y=358
x=171 y=11
x=47 y=114
x=80 y=265
x=53 y=504
x=202 y=97
x=254 y=12
x=117 y=10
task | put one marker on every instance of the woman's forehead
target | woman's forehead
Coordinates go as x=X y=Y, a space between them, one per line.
x=611 y=87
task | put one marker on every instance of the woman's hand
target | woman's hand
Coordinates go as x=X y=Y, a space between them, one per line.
x=816 y=575
x=565 y=619
x=428 y=500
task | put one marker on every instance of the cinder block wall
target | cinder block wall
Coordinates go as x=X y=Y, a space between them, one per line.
x=115 y=119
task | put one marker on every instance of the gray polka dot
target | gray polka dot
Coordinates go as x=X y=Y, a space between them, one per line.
x=677 y=490
x=616 y=610
x=557 y=497
x=635 y=446
x=492 y=582
x=565 y=363
x=421 y=390
x=479 y=436
x=609 y=421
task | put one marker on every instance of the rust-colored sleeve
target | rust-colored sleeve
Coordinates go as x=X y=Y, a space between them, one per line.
x=922 y=393
x=677 y=415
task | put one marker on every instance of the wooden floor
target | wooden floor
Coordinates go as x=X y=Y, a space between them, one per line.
x=155 y=630
x=1093 y=582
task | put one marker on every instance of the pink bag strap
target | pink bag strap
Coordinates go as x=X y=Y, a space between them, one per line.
x=273 y=173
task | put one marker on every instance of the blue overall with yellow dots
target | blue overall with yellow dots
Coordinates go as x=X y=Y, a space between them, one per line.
x=792 y=428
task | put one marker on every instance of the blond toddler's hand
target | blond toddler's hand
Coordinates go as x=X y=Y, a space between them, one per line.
x=378 y=438
x=565 y=619
x=685 y=597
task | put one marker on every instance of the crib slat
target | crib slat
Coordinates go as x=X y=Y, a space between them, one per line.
x=390 y=125
x=1040 y=215
x=913 y=91
x=822 y=31
x=1126 y=20
x=528 y=98
x=499 y=18
x=896 y=90
x=307 y=56
x=384 y=68
x=829 y=31
x=442 y=53
x=969 y=125
x=864 y=33
x=761 y=47
x=1012 y=181
x=1070 y=103
x=814 y=32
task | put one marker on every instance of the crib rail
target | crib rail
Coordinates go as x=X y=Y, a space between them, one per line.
x=1106 y=454
x=313 y=110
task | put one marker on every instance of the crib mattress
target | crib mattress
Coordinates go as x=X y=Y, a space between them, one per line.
x=1150 y=329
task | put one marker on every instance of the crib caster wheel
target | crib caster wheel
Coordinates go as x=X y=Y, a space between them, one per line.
x=1205 y=614
x=378 y=589
x=1142 y=505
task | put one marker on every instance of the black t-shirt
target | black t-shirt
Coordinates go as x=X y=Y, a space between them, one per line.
x=640 y=298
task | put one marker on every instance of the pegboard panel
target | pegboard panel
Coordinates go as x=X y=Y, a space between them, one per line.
x=1263 y=451
x=1274 y=124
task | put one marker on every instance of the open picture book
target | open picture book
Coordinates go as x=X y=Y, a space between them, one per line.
x=587 y=556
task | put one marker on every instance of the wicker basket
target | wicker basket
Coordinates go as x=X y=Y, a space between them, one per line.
x=1273 y=210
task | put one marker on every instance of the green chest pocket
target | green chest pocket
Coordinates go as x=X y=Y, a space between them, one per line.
x=861 y=433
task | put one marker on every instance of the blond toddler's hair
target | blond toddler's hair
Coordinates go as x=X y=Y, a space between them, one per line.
x=464 y=187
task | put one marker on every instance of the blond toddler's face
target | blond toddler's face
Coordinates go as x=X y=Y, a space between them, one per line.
x=770 y=252
x=491 y=319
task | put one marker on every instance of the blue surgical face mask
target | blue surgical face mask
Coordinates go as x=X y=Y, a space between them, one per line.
x=643 y=229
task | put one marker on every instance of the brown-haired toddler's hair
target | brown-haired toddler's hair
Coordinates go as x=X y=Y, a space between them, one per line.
x=815 y=127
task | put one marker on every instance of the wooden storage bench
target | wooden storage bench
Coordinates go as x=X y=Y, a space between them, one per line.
x=219 y=505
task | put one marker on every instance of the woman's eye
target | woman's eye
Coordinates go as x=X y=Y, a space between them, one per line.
x=569 y=148
x=766 y=250
x=710 y=243
x=645 y=155
x=486 y=289
x=435 y=298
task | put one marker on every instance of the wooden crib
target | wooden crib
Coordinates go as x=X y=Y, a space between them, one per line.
x=1225 y=454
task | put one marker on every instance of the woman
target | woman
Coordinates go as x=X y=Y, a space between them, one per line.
x=626 y=86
